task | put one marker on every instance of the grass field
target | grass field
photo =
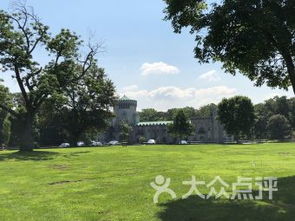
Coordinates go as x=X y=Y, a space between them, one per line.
x=112 y=184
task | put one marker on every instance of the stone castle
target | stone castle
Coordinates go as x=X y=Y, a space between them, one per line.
x=206 y=130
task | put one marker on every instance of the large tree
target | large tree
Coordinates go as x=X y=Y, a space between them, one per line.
x=280 y=106
x=125 y=131
x=85 y=105
x=252 y=37
x=22 y=37
x=207 y=110
x=237 y=116
x=279 y=127
x=181 y=127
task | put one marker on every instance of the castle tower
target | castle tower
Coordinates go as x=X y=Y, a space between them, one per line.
x=125 y=111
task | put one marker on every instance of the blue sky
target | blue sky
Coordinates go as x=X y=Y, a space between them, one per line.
x=144 y=58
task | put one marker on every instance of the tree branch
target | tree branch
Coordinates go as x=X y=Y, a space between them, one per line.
x=88 y=62
x=29 y=76
x=21 y=86
x=23 y=27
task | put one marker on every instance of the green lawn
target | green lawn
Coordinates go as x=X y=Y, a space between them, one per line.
x=112 y=184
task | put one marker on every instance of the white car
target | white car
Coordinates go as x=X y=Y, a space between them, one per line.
x=183 y=142
x=80 y=144
x=64 y=145
x=151 y=141
x=96 y=144
x=113 y=143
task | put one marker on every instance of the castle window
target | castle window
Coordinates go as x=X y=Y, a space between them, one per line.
x=124 y=106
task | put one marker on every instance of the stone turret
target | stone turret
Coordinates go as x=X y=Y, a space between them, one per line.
x=125 y=111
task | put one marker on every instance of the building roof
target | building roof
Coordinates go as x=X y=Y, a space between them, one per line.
x=154 y=123
x=125 y=98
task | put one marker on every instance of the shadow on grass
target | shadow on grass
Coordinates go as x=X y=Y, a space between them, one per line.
x=75 y=154
x=197 y=209
x=32 y=156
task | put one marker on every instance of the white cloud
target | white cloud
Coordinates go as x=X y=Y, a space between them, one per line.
x=158 y=68
x=130 y=88
x=164 y=98
x=210 y=76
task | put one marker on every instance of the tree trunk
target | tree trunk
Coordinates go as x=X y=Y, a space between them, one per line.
x=26 y=137
x=291 y=68
x=292 y=77
x=74 y=138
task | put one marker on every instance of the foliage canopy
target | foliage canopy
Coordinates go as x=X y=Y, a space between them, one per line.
x=253 y=37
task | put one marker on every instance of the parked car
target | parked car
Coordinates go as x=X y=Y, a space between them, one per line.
x=64 y=145
x=96 y=144
x=113 y=143
x=151 y=141
x=183 y=142
x=80 y=144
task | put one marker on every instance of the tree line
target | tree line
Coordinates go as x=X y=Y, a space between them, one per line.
x=273 y=119
x=254 y=38
x=69 y=95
